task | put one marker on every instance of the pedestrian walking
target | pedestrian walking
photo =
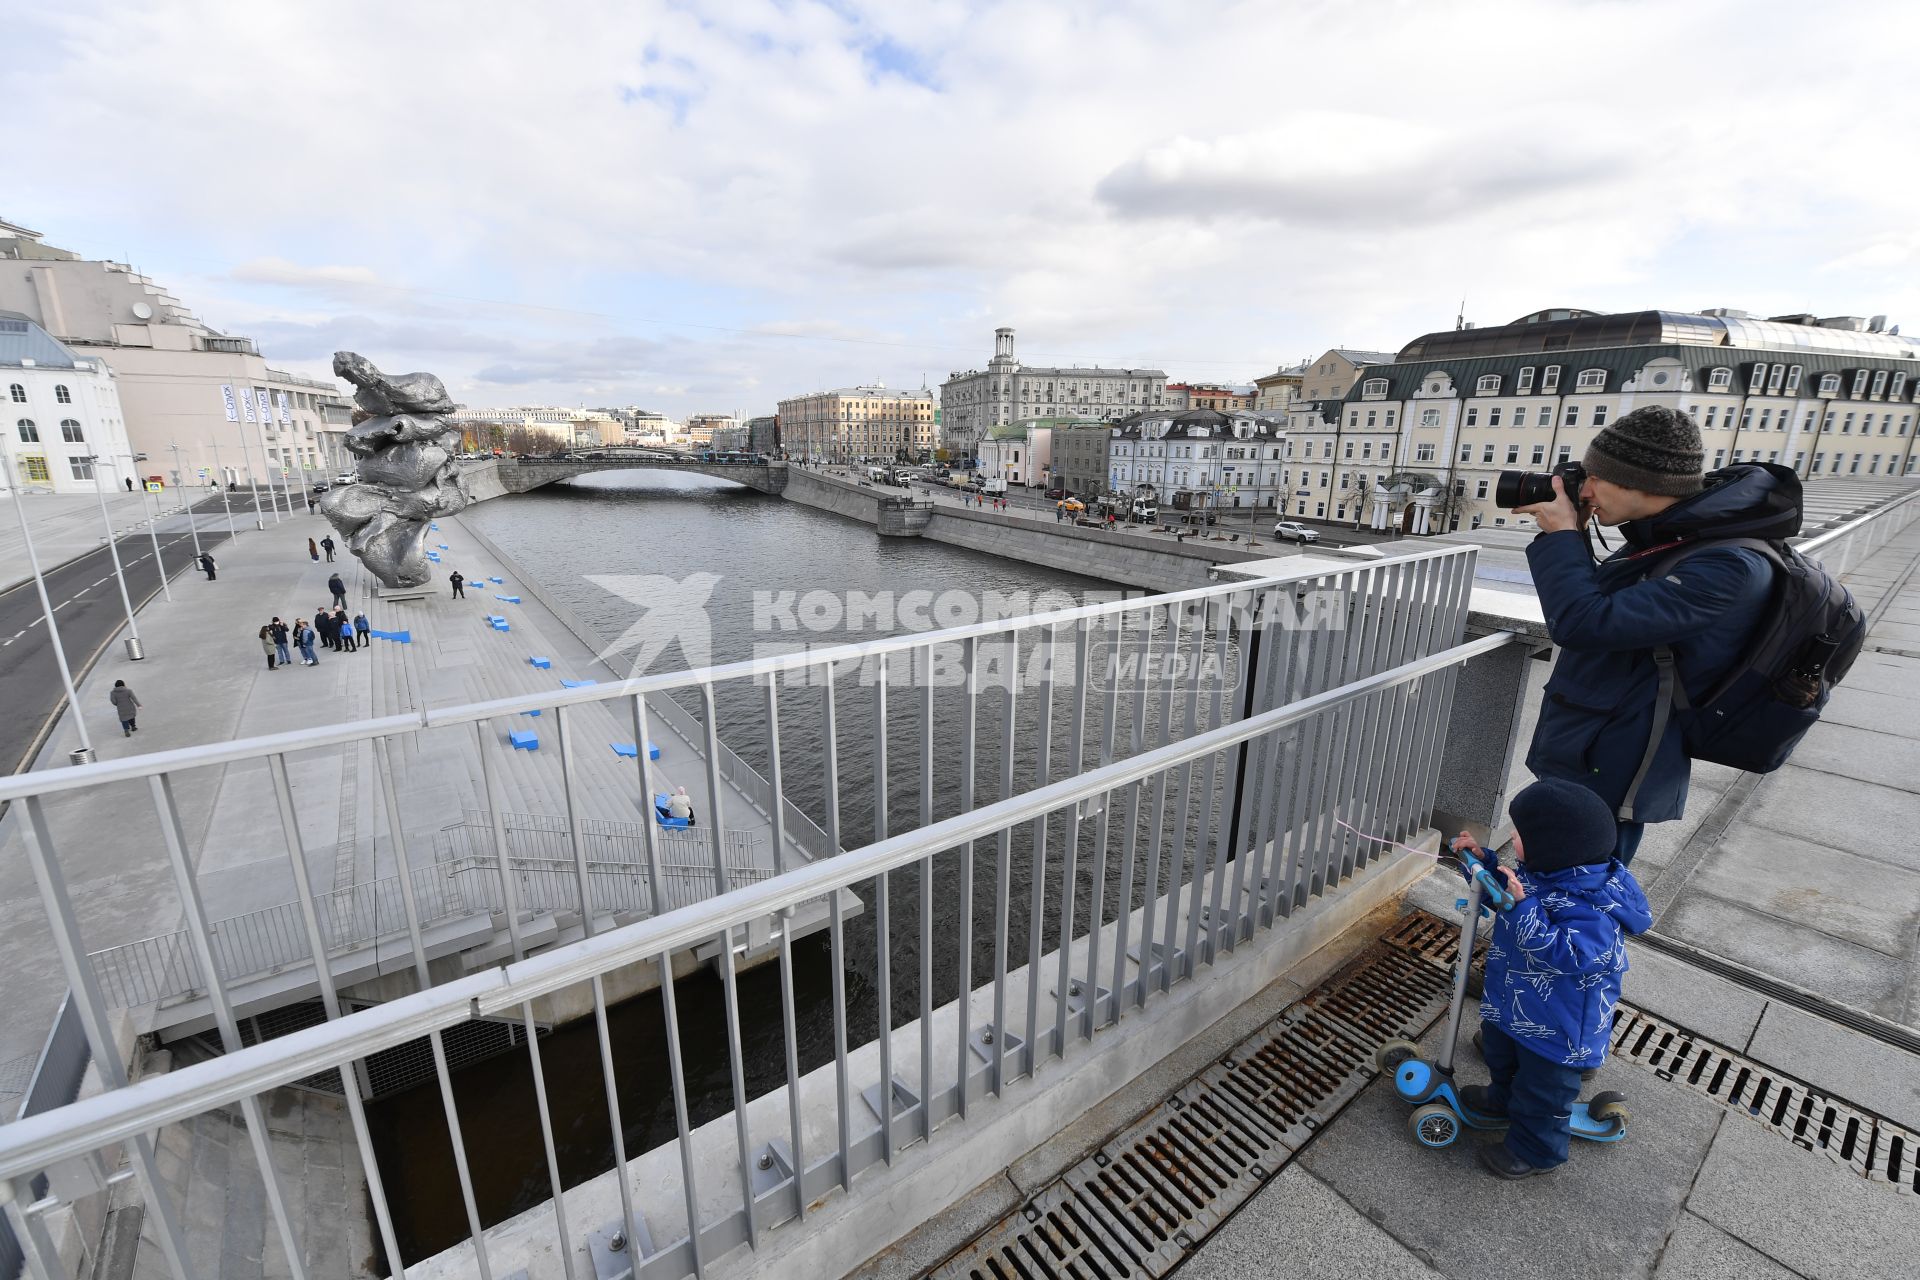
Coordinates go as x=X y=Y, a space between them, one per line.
x=309 y=504
x=327 y=545
x=129 y=484
x=126 y=706
x=207 y=565
x=338 y=588
x=459 y=582
x=343 y=627
x=360 y=630
x=305 y=636
x=281 y=635
x=266 y=645
x=313 y=549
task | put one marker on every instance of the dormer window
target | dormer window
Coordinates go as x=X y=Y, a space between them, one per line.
x=1550 y=379
x=1591 y=380
x=1859 y=382
x=1719 y=379
x=1757 y=383
x=1487 y=385
x=1373 y=388
x=1793 y=380
x=1898 y=385
x=1774 y=378
x=1879 y=383
x=1525 y=385
x=1829 y=384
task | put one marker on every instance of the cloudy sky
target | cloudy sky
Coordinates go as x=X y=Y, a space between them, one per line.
x=707 y=206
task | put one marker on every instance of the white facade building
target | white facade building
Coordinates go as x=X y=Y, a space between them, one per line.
x=1235 y=459
x=1006 y=392
x=60 y=410
x=170 y=370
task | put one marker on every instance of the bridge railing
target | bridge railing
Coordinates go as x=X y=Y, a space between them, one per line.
x=1105 y=799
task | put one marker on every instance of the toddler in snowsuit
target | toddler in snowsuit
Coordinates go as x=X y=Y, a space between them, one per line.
x=1553 y=970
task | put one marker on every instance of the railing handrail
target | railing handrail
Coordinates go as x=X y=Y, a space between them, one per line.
x=150 y=1104
x=44 y=782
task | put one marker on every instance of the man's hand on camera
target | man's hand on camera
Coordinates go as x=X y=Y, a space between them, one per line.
x=1553 y=516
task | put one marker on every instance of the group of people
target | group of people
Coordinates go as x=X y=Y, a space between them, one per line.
x=325 y=544
x=1608 y=757
x=329 y=628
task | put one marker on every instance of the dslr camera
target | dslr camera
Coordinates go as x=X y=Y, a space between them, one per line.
x=1525 y=488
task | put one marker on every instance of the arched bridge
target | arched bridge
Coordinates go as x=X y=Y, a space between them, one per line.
x=498 y=476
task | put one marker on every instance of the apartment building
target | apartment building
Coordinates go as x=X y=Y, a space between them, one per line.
x=1235 y=460
x=1007 y=391
x=62 y=411
x=850 y=423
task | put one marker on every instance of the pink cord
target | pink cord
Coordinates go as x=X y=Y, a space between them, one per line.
x=1395 y=843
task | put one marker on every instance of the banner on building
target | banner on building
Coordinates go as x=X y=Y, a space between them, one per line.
x=233 y=408
x=286 y=410
x=246 y=404
x=266 y=405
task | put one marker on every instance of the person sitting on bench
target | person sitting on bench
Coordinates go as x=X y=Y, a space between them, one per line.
x=681 y=806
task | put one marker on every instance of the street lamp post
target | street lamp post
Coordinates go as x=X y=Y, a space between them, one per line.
x=135 y=649
x=84 y=753
x=153 y=525
x=193 y=521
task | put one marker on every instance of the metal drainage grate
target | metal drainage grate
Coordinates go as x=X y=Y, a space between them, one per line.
x=1152 y=1193
x=1427 y=936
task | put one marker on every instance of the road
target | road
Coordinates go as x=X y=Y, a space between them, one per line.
x=86 y=604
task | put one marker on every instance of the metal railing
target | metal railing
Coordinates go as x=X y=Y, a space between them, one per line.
x=1846 y=546
x=542 y=835
x=260 y=943
x=55 y=1082
x=1159 y=824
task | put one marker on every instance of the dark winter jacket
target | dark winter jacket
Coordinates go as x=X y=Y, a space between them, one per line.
x=1598 y=710
x=1554 y=961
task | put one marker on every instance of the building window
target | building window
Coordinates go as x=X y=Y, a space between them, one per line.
x=1513 y=454
x=1591 y=380
x=1431 y=417
x=1493 y=417
x=1488 y=384
x=1898 y=385
x=1573 y=415
x=1829 y=386
x=82 y=468
x=1480 y=489
x=1525 y=385
x=1599 y=415
x=1486 y=454
x=1373 y=388
x=1819 y=461
x=1466 y=453
x=1774 y=376
x=1366 y=449
x=1793 y=380
x=18 y=392
x=1473 y=417
x=1846 y=425
x=1758 y=382
x=1719 y=458
x=70 y=431
x=1859 y=382
x=1423 y=452
x=1879 y=383
x=1550 y=378
x=1746 y=417
x=29 y=434
x=1390 y=416
x=33 y=467
x=1713 y=411
x=1566 y=452
x=60 y=393
x=1539 y=454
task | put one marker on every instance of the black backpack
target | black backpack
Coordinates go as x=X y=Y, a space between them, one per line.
x=1757 y=712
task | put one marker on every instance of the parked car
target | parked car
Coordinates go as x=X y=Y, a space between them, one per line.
x=346 y=477
x=1057 y=492
x=321 y=486
x=1295 y=530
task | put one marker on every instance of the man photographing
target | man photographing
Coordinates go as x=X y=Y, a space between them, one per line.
x=1642 y=476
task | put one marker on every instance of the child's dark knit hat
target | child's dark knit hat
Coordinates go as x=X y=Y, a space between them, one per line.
x=1562 y=824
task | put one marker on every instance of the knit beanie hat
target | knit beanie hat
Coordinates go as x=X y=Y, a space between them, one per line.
x=1562 y=824
x=1654 y=450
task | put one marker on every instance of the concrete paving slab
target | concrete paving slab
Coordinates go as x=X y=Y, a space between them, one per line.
x=1811 y=1215
x=1884 y=758
x=1840 y=812
x=1884 y=673
x=1853 y=975
x=1832 y=1058
x=1867 y=903
x=1629 y=1193
x=1703 y=1004
x=1869 y=709
x=1297 y=1225
x=1699 y=1250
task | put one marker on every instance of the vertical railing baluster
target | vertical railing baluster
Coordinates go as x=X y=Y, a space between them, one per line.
x=836 y=934
x=926 y=899
x=1035 y=918
x=1070 y=856
x=1003 y=872
x=563 y=732
x=1123 y=906
x=1183 y=809
x=1252 y=852
x=789 y=1023
x=1323 y=836
x=350 y=1082
x=52 y=882
x=969 y=724
x=174 y=838
x=30 y=1233
x=510 y=905
x=1157 y=824
x=1096 y=914
x=1363 y=637
x=882 y=913
x=1224 y=822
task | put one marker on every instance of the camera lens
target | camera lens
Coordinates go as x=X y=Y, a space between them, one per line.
x=1522 y=488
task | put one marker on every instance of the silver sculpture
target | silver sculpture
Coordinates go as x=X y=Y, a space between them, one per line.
x=407 y=473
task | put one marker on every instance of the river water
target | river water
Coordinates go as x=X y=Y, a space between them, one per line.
x=675 y=526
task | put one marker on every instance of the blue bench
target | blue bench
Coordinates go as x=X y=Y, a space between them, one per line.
x=664 y=816
x=524 y=740
x=509 y=599
x=628 y=751
x=399 y=637
x=496 y=581
x=545 y=664
x=576 y=684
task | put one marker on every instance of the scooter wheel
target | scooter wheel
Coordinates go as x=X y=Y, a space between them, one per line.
x=1434 y=1125
x=1608 y=1107
x=1388 y=1057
